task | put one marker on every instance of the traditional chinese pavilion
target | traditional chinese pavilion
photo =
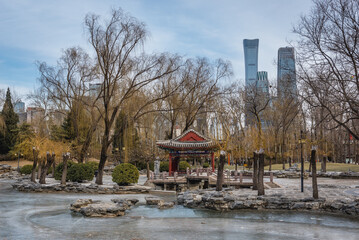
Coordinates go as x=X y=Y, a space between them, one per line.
x=189 y=144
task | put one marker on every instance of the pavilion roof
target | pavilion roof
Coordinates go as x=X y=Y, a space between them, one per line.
x=188 y=140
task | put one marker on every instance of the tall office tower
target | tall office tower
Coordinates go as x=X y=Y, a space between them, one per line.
x=262 y=82
x=251 y=60
x=251 y=68
x=286 y=78
x=19 y=107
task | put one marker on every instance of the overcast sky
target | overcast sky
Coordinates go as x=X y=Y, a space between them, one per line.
x=39 y=30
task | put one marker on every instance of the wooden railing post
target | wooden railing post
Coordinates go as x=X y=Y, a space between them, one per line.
x=240 y=177
x=271 y=177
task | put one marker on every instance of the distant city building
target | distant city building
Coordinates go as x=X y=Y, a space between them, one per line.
x=286 y=78
x=34 y=114
x=95 y=89
x=19 y=107
x=22 y=117
x=262 y=81
x=250 y=60
x=250 y=47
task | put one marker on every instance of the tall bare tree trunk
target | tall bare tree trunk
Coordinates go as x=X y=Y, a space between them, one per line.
x=65 y=157
x=33 y=172
x=39 y=169
x=43 y=171
x=101 y=165
x=324 y=164
x=314 y=174
x=148 y=169
x=281 y=156
x=260 y=183
x=255 y=171
x=86 y=144
x=53 y=168
x=50 y=160
x=220 y=179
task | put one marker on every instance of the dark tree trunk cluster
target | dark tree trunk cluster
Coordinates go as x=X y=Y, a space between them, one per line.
x=65 y=158
x=50 y=159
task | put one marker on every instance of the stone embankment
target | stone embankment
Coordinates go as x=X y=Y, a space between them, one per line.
x=160 y=203
x=223 y=201
x=4 y=168
x=90 y=208
x=28 y=186
x=334 y=175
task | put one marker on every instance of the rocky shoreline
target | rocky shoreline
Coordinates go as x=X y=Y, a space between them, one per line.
x=28 y=186
x=226 y=200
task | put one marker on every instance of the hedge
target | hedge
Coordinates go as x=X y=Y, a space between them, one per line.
x=80 y=172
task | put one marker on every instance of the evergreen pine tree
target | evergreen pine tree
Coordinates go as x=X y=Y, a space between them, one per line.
x=9 y=135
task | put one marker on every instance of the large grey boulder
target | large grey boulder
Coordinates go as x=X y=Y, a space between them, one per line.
x=90 y=208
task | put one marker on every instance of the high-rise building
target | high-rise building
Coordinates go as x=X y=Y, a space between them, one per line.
x=286 y=78
x=95 y=89
x=262 y=81
x=250 y=60
x=250 y=47
x=19 y=107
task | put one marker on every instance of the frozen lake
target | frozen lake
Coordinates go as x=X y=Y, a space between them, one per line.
x=47 y=216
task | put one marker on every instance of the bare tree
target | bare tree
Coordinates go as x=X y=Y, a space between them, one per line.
x=65 y=88
x=199 y=87
x=256 y=102
x=122 y=70
x=328 y=59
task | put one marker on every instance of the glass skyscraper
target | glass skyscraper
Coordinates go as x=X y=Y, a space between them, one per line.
x=250 y=60
x=286 y=78
x=262 y=81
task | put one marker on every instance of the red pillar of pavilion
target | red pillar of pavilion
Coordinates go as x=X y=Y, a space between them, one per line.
x=170 y=165
x=212 y=161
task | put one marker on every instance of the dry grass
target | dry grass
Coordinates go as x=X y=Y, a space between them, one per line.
x=13 y=163
x=335 y=167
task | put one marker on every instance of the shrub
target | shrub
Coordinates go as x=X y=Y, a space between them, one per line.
x=183 y=165
x=59 y=168
x=164 y=166
x=206 y=165
x=26 y=169
x=143 y=165
x=125 y=173
x=93 y=165
x=79 y=172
